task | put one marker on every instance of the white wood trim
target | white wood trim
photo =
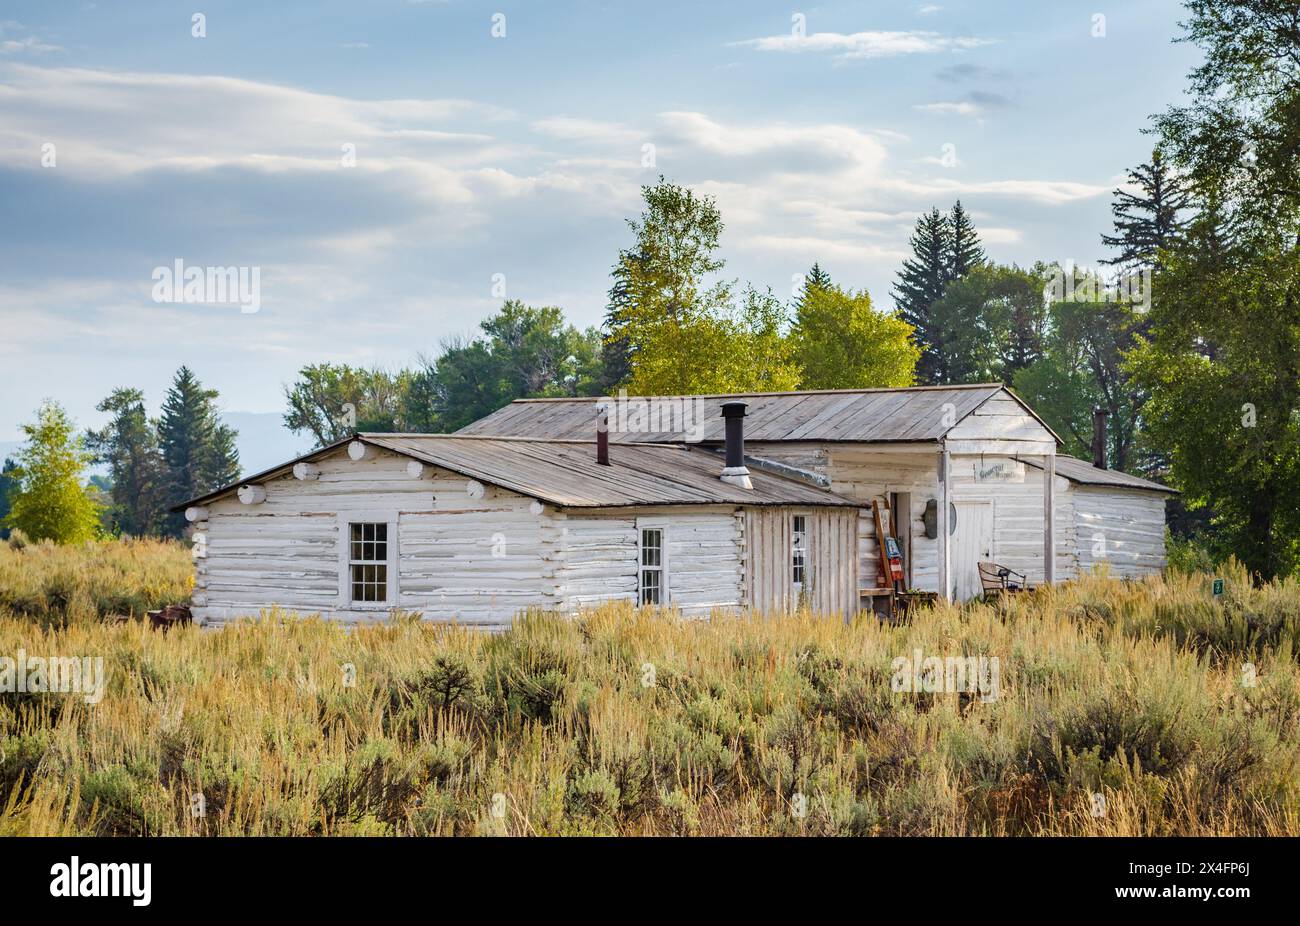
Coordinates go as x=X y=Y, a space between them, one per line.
x=1049 y=518
x=665 y=570
x=345 y=602
x=945 y=538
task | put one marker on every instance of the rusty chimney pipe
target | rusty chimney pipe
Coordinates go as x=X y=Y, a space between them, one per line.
x=1099 y=437
x=602 y=435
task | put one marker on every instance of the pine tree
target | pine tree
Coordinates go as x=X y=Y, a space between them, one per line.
x=964 y=250
x=49 y=501
x=129 y=445
x=814 y=281
x=1149 y=220
x=198 y=450
x=8 y=481
x=921 y=283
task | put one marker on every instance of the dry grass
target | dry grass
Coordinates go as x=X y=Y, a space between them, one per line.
x=83 y=583
x=788 y=725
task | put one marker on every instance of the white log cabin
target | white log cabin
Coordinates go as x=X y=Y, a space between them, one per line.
x=980 y=448
x=702 y=503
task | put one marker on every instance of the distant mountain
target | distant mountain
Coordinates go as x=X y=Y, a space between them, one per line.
x=264 y=441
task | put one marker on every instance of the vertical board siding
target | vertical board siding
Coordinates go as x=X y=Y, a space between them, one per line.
x=831 y=587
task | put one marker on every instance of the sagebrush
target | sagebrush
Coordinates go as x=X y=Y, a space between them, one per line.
x=1124 y=708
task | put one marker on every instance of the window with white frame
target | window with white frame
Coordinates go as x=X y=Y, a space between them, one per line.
x=799 y=553
x=368 y=562
x=652 y=566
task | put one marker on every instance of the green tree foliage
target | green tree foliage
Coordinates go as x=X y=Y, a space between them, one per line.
x=524 y=351
x=1222 y=361
x=332 y=400
x=679 y=333
x=1082 y=368
x=965 y=252
x=137 y=478
x=8 y=480
x=991 y=323
x=198 y=451
x=842 y=342
x=1148 y=220
x=49 y=501
x=945 y=249
x=921 y=283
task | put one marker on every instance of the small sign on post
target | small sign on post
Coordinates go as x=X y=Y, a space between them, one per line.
x=1217 y=588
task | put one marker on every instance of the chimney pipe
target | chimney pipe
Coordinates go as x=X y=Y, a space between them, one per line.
x=602 y=435
x=1099 y=437
x=734 y=470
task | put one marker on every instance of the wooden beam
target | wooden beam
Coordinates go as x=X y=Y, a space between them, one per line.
x=306 y=471
x=1049 y=518
x=252 y=494
x=945 y=541
x=196 y=513
x=359 y=451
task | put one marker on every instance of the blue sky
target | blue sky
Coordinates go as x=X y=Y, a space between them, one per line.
x=519 y=155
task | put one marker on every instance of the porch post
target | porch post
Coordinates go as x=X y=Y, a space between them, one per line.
x=1049 y=518
x=945 y=541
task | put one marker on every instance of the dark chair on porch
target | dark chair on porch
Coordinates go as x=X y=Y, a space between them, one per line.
x=999 y=580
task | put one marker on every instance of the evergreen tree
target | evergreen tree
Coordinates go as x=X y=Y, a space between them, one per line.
x=49 y=501
x=198 y=451
x=816 y=280
x=129 y=446
x=8 y=480
x=1148 y=220
x=921 y=283
x=965 y=252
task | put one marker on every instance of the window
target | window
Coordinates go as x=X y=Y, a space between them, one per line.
x=798 y=553
x=368 y=562
x=652 y=566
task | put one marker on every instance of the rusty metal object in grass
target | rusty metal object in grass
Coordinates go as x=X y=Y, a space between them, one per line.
x=170 y=616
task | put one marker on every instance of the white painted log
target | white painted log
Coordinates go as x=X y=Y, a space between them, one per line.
x=196 y=513
x=415 y=469
x=306 y=471
x=252 y=494
x=536 y=507
x=198 y=600
x=359 y=451
x=474 y=488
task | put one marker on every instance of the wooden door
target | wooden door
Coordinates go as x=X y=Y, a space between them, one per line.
x=972 y=543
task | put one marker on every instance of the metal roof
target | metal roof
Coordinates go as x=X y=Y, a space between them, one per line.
x=1084 y=473
x=859 y=415
x=565 y=473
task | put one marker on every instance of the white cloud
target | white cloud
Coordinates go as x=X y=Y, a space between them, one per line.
x=928 y=10
x=962 y=108
x=871 y=44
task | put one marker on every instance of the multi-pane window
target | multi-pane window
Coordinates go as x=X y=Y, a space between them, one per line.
x=799 y=552
x=652 y=565
x=368 y=562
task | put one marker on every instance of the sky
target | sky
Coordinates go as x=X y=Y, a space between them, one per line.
x=388 y=171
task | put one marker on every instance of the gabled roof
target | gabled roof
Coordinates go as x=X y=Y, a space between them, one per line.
x=858 y=415
x=1084 y=473
x=565 y=473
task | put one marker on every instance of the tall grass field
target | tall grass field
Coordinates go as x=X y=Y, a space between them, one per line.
x=1120 y=708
